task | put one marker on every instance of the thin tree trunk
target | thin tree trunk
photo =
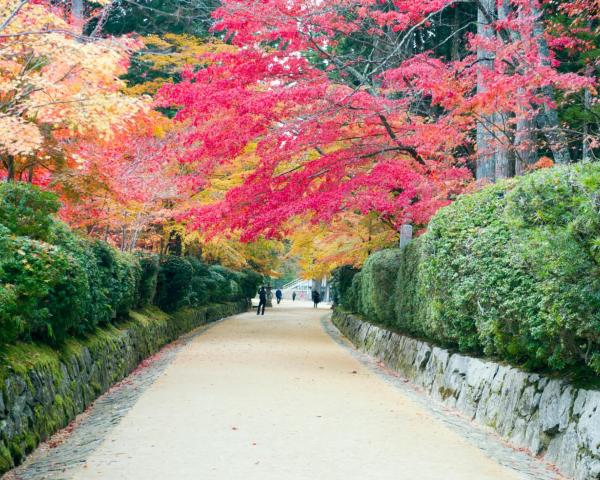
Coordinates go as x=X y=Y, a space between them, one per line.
x=9 y=163
x=486 y=158
x=525 y=154
x=504 y=164
x=454 y=50
x=586 y=152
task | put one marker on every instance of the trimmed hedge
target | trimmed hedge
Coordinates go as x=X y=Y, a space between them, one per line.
x=55 y=284
x=341 y=283
x=187 y=281
x=512 y=271
x=378 y=278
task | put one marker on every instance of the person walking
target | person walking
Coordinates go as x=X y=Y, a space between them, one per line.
x=262 y=300
x=316 y=298
x=293 y=296
x=278 y=296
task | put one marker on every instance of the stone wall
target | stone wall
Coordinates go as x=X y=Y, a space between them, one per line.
x=44 y=389
x=546 y=416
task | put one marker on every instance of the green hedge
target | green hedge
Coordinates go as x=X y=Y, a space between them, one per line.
x=341 y=283
x=187 y=281
x=55 y=283
x=378 y=277
x=512 y=271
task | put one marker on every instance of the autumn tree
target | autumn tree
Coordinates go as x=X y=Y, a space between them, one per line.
x=55 y=86
x=351 y=111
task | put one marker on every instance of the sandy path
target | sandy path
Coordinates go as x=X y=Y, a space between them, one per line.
x=274 y=397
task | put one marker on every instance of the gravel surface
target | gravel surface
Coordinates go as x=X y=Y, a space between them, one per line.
x=280 y=396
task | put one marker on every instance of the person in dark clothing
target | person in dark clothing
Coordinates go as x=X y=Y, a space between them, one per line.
x=293 y=296
x=316 y=298
x=262 y=300
x=278 y=295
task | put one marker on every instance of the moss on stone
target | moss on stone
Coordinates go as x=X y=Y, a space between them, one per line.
x=93 y=363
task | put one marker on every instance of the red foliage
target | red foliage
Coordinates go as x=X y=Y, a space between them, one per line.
x=325 y=147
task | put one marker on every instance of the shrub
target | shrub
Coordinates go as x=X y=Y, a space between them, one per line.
x=341 y=282
x=148 y=279
x=378 y=279
x=249 y=283
x=46 y=287
x=174 y=283
x=54 y=283
x=511 y=271
x=351 y=300
x=227 y=286
x=409 y=301
x=11 y=323
x=202 y=285
x=26 y=210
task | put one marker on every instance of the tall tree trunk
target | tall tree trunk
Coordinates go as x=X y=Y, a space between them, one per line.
x=486 y=157
x=505 y=160
x=504 y=164
x=455 y=48
x=77 y=10
x=548 y=120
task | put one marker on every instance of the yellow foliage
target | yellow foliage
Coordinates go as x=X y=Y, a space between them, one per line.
x=347 y=240
x=170 y=54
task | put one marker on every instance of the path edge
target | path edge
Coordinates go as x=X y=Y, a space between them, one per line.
x=43 y=390
x=548 y=418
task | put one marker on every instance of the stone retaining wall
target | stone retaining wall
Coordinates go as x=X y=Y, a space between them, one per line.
x=44 y=389
x=546 y=416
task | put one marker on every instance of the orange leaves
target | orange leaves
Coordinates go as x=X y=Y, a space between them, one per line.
x=50 y=79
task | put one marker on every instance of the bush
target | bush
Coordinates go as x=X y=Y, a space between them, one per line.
x=227 y=284
x=148 y=279
x=409 y=304
x=11 y=323
x=26 y=210
x=352 y=299
x=46 y=286
x=202 y=285
x=512 y=271
x=250 y=281
x=378 y=278
x=54 y=283
x=173 y=287
x=341 y=282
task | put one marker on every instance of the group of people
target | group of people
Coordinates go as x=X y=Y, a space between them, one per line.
x=262 y=299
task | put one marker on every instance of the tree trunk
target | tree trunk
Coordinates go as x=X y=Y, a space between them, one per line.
x=77 y=10
x=548 y=119
x=585 y=146
x=505 y=160
x=486 y=158
x=525 y=154
x=9 y=163
x=455 y=48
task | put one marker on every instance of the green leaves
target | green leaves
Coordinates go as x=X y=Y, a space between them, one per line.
x=27 y=210
x=511 y=271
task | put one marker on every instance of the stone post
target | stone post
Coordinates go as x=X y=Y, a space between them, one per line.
x=406 y=232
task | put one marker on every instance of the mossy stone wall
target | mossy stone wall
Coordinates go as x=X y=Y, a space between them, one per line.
x=546 y=416
x=44 y=389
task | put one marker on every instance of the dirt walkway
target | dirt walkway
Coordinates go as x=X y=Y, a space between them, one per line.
x=276 y=397
x=261 y=398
